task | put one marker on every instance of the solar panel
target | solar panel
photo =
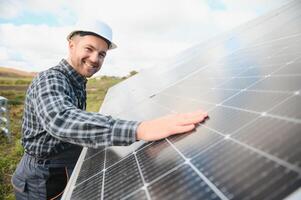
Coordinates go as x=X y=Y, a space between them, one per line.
x=249 y=81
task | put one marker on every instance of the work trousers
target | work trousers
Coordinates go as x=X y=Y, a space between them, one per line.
x=39 y=179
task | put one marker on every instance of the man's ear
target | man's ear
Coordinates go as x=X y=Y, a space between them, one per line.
x=71 y=44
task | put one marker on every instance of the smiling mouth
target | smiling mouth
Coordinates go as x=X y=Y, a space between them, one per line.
x=91 y=68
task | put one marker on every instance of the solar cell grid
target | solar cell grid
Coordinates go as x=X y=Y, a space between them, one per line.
x=279 y=83
x=126 y=175
x=203 y=80
x=280 y=58
x=223 y=72
x=139 y=195
x=271 y=136
x=260 y=71
x=91 y=166
x=240 y=83
x=156 y=159
x=185 y=184
x=112 y=157
x=257 y=51
x=228 y=120
x=290 y=69
x=181 y=104
x=91 y=152
x=238 y=172
x=256 y=101
x=149 y=110
x=210 y=96
x=195 y=142
x=289 y=108
x=89 y=189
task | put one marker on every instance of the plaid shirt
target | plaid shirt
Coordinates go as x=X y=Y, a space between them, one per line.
x=55 y=118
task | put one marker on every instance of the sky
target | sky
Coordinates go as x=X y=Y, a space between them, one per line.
x=147 y=32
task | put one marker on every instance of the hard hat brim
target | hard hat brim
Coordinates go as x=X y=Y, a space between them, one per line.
x=112 y=44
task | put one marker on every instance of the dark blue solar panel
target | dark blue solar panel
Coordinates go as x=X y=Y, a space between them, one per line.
x=249 y=81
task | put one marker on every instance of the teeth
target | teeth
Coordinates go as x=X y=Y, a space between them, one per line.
x=91 y=66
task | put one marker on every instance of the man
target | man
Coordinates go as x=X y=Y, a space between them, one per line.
x=56 y=125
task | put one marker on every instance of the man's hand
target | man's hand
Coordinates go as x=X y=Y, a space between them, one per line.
x=169 y=125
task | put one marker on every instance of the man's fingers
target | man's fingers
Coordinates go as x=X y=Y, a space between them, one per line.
x=169 y=125
x=192 y=118
x=192 y=114
x=183 y=129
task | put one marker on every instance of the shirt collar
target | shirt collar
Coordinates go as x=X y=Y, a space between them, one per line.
x=73 y=75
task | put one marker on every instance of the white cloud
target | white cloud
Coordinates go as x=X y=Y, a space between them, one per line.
x=10 y=9
x=146 y=32
x=3 y=54
x=33 y=46
x=32 y=6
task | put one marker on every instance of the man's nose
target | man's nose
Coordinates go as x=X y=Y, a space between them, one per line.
x=94 y=58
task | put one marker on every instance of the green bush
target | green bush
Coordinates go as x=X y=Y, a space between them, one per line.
x=6 y=82
x=15 y=82
x=14 y=97
x=9 y=94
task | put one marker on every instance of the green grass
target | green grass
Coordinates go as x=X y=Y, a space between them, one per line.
x=11 y=152
x=96 y=91
x=15 y=81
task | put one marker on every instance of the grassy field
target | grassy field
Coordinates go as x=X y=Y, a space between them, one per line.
x=14 y=90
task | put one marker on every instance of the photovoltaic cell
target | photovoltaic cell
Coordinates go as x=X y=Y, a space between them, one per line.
x=290 y=69
x=216 y=95
x=91 y=152
x=139 y=195
x=239 y=83
x=248 y=80
x=112 y=156
x=238 y=172
x=149 y=110
x=181 y=104
x=227 y=120
x=279 y=83
x=89 y=189
x=196 y=142
x=91 y=166
x=185 y=184
x=249 y=100
x=156 y=159
x=289 y=108
x=271 y=136
x=121 y=179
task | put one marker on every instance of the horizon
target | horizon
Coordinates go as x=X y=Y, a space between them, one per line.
x=12 y=69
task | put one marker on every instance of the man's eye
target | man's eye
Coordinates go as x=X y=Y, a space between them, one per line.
x=88 y=49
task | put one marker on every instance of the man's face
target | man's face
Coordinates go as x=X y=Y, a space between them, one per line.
x=86 y=54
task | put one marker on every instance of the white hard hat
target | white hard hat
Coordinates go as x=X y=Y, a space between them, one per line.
x=99 y=28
